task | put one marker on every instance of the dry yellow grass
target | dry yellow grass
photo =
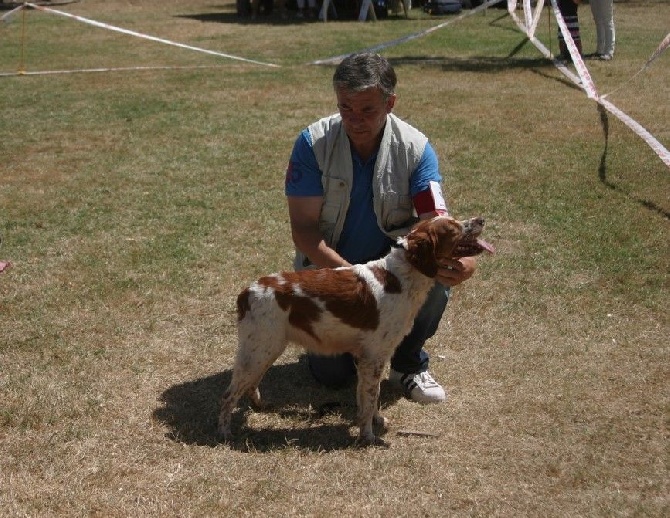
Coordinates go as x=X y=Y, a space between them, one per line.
x=135 y=205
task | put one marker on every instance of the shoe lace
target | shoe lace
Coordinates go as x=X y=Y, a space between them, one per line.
x=427 y=380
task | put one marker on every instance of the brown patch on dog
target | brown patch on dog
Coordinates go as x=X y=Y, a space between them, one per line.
x=390 y=282
x=345 y=295
x=302 y=314
x=302 y=311
x=243 y=304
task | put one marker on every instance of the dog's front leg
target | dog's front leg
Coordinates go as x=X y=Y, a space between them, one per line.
x=369 y=376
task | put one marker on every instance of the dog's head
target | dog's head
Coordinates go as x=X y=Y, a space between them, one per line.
x=432 y=241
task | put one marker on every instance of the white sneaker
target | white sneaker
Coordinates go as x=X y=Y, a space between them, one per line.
x=419 y=386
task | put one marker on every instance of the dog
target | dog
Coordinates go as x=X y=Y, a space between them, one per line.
x=364 y=309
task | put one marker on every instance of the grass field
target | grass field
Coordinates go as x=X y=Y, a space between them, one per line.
x=135 y=204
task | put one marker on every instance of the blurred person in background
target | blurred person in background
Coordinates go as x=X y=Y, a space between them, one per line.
x=310 y=13
x=603 y=16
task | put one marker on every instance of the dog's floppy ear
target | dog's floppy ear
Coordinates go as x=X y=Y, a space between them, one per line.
x=429 y=241
x=420 y=244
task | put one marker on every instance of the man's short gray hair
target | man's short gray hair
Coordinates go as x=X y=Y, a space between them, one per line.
x=363 y=71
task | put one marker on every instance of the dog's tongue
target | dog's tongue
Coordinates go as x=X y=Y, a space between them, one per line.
x=486 y=246
x=473 y=247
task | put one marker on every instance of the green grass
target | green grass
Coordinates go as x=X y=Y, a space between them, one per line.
x=134 y=205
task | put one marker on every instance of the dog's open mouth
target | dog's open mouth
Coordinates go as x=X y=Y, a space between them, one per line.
x=473 y=246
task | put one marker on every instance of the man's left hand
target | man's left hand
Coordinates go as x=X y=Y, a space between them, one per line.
x=454 y=271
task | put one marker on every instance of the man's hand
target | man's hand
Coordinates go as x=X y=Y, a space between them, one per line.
x=454 y=271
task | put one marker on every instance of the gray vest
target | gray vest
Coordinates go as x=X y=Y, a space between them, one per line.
x=401 y=148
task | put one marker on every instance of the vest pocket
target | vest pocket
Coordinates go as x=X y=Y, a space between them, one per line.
x=334 y=209
x=398 y=211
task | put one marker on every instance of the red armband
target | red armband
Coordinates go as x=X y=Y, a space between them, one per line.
x=430 y=202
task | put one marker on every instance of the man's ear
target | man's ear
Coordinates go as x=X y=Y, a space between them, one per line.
x=390 y=103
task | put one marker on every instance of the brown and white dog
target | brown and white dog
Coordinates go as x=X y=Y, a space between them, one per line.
x=365 y=310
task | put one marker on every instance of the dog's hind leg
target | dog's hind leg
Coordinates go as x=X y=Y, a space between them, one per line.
x=243 y=382
x=228 y=402
x=255 y=355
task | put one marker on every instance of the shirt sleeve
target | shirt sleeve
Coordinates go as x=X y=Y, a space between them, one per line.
x=303 y=176
x=425 y=185
x=427 y=171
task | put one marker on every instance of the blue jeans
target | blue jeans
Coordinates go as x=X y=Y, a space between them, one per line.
x=409 y=357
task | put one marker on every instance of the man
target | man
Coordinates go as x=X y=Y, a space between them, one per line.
x=355 y=182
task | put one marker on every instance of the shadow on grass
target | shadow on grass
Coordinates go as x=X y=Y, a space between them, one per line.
x=347 y=11
x=275 y=18
x=234 y=18
x=190 y=411
x=484 y=64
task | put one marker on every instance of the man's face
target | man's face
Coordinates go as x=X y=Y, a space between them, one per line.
x=364 y=115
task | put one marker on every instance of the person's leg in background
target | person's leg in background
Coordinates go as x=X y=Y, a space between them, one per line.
x=569 y=11
x=603 y=17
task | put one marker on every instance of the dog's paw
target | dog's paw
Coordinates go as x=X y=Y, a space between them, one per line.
x=257 y=403
x=381 y=422
x=223 y=433
x=365 y=441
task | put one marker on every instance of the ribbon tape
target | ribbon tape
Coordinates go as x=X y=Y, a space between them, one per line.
x=145 y=36
x=337 y=59
x=583 y=78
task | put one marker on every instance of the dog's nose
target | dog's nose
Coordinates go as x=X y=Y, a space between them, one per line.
x=480 y=221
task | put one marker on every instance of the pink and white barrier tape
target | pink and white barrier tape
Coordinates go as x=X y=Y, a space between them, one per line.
x=336 y=59
x=145 y=36
x=659 y=50
x=583 y=79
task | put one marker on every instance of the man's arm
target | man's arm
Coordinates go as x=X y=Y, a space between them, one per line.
x=304 y=212
x=428 y=203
